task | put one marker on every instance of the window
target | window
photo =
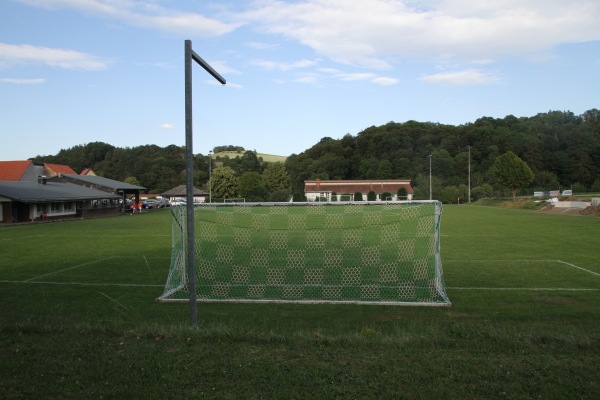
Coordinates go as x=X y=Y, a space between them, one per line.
x=68 y=206
x=55 y=207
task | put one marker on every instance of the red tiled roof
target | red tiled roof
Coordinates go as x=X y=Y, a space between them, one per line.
x=59 y=169
x=85 y=171
x=13 y=170
x=363 y=186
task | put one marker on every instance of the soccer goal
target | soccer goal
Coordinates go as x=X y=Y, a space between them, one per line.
x=353 y=252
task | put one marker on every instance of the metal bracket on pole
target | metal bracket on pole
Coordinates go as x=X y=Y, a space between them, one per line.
x=189 y=169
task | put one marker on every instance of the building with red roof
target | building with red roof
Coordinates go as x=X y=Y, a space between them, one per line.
x=323 y=190
x=57 y=169
x=16 y=171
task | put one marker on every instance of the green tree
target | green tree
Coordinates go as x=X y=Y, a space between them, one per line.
x=275 y=178
x=450 y=194
x=384 y=170
x=483 y=191
x=512 y=172
x=224 y=182
x=402 y=193
x=132 y=180
x=250 y=186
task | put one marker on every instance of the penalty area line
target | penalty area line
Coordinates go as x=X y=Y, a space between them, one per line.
x=578 y=267
x=82 y=283
x=526 y=289
x=66 y=269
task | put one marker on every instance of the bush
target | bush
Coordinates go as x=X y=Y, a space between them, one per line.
x=482 y=191
x=402 y=193
x=579 y=188
x=358 y=196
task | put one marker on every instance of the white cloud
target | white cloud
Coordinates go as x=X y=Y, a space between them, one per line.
x=146 y=14
x=383 y=81
x=223 y=69
x=376 y=33
x=359 y=76
x=283 y=66
x=461 y=78
x=19 y=81
x=11 y=54
x=262 y=46
x=167 y=126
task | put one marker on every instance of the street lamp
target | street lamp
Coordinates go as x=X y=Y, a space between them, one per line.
x=209 y=176
x=469 y=148
x=430 y=198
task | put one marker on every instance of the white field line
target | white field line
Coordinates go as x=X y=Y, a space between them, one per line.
x=66 y=269
x=81 y=283
x=82 y=265
x=76 y=236
x=575 y=266
x=509 y=261
x=526 y=289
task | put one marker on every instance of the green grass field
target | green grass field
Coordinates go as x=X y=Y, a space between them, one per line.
x=78 y=319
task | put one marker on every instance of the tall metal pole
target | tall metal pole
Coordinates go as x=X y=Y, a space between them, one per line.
x=210 y=176
x=189 y=171
x=430 y=196
x=190 y=56
x=469 y=147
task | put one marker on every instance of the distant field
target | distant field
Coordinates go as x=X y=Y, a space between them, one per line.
x=78 y=319
x=265 y=157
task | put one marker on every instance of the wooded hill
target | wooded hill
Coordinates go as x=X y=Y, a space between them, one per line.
x=561 y=148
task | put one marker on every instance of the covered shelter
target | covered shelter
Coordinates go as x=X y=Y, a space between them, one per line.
x=43 y=200
x=121 y=189
x=180 y=192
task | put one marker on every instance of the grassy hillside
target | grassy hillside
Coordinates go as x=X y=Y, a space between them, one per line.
x=265 y=157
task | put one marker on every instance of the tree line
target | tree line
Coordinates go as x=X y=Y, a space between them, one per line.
x=561 y=149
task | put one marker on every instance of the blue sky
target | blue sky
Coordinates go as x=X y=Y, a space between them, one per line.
x=80 y=71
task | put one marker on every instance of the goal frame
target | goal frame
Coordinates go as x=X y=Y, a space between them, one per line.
x=179 y=256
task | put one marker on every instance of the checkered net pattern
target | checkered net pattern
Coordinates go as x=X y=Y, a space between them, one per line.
x=384 y=253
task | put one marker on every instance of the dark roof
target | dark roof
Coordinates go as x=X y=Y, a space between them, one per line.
x=33 y=192
x=181 y=190
x=102 y=181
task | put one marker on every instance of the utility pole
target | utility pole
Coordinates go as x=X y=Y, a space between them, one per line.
x=469 y=148
x=210 y=176
x=430 y=196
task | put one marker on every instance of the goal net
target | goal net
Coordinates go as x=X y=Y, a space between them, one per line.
x=354 y=252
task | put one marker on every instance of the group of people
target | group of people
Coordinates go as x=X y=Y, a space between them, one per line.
x=136 y=207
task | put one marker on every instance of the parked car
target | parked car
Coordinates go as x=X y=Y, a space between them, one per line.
x=157 y=203
x=178 y=202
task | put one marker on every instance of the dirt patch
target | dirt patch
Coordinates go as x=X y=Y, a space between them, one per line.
x=591 y=210
x=564 y=300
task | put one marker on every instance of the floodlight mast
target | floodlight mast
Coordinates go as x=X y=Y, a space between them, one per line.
x=189 y=169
